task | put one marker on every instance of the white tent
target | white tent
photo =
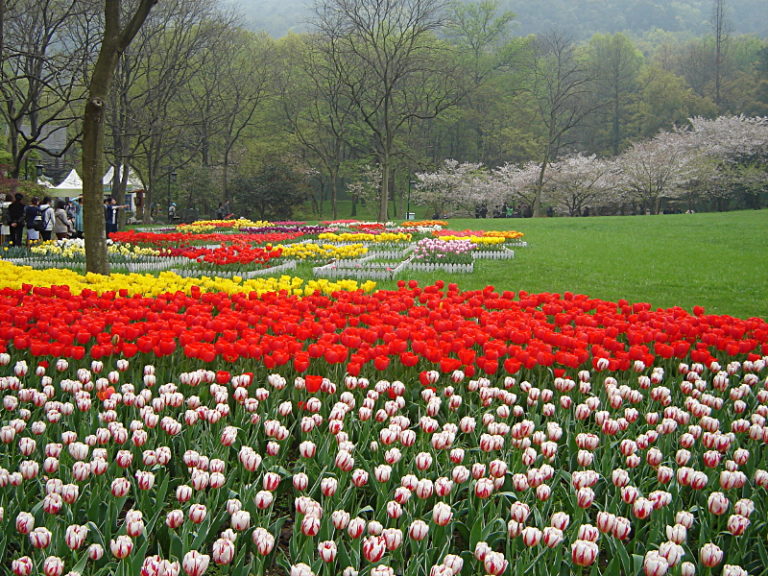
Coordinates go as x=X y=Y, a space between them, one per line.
x=133 y=181
x=71 y=186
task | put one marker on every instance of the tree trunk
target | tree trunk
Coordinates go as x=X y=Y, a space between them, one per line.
x=96 y=260
x=384 y=199
x=114 y=41
x=537 y=208
x=334 y=182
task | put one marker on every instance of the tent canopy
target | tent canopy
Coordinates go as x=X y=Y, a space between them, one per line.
x=134 y=183
x=71 y=186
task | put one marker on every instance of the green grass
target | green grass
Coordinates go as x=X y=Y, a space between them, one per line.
x=715 y=260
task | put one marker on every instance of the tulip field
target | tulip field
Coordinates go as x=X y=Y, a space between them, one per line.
x=164 y=424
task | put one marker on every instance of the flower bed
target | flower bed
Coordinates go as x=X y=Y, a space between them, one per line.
x=423 y=430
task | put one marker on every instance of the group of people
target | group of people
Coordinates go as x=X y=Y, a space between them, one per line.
x=43 y=220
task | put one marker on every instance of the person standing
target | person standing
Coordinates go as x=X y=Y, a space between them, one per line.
x=5 y=227
x=77 y=208
x=110 y=214
x=48 y=217
x=61 y=226
x=16 y=219
x=33 y=218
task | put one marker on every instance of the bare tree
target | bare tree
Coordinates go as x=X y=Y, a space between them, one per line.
x=720 y=27
x=317 y=109
x=235 y=79
x=613 y=65
x=391 y=67
x=116 y=38
x=43 y=45
x=166 y=58
x=561 y=90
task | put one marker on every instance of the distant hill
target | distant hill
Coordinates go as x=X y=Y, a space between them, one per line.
x=581 y=18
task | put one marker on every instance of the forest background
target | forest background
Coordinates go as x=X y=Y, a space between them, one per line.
x=221 y=102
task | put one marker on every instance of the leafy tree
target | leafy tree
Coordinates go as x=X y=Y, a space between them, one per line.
x=168 y=60
x=664 y=100
x=272 y=192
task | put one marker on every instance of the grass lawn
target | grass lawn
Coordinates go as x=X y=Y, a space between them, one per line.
x=715 y=260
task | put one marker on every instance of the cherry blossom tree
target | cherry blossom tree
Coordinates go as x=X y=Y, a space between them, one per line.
x=652 y=170
x=579 y=182
x=734 y=157
x=522 y=186
x=454 y=185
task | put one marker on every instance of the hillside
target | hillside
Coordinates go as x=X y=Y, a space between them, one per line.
x=581 y=18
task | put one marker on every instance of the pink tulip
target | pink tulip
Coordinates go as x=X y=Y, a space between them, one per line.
x=737 y=524
x=642 y=508
x=531 y=536
x=622 y=528
x=355 y=528
x=194 y=563
x=718 y=503
x=560 y=520
x=340 y=519
x=584 y=497
x=174 y=519
x=240 y=520
x=223 y=551
x=442 y=514
x=310 y=525
x=654 y=564
x=677 y=533
x=271 y=481
x=22 y=566
x=157 y=566
x=197 y=513
x=75 y=536
x=745 y=507
x=552 y=537
x=121 y=546
x=327 y=550
x=484 y=488
x=374 y=548
x=495 y=563
x=95 y=552
x=583 y=552
x=263 y=540
x=418 y=530
x=53 y=566
x=710 y=555
x=263 y=499
x=393 y=538
x=301 y=569
x=40 y=538
x=671 y=552
x=685 y=518
x=25 y=522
